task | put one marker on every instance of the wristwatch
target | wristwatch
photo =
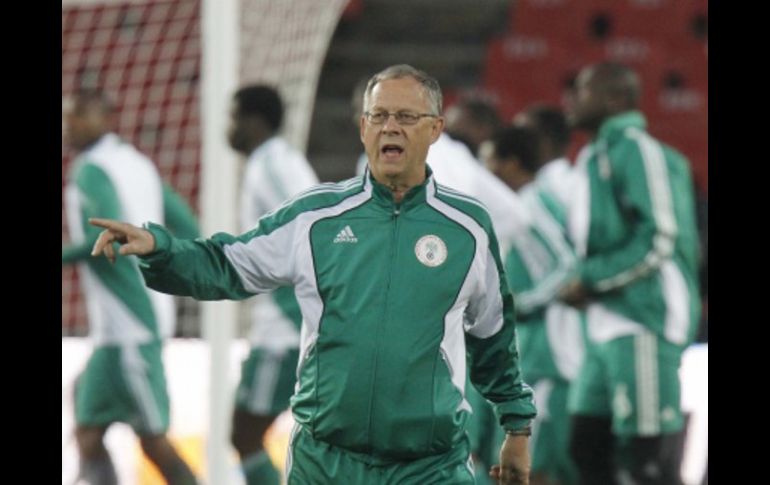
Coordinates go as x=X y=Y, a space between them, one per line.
x=526 y=431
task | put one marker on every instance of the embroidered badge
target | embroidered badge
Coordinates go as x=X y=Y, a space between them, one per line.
x=430 y=250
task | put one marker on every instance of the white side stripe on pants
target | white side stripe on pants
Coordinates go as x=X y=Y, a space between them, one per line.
x=647 y=392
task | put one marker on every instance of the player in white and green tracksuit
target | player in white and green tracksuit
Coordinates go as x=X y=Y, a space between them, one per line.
x=656 y=262
x=387 y=292
x=112 y=179
x=274 y=172
x=565 y=324
x=124 y=380
x=538 y=263
x=633 y=224
x=551 y=343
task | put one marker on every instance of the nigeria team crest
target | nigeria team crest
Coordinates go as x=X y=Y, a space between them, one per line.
x=430 y=250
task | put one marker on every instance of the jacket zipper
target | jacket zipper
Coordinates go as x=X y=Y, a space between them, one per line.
x=386 y=315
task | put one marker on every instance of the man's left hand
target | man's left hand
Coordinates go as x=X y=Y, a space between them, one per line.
x=514 y=462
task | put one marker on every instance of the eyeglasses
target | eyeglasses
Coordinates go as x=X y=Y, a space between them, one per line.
x=402 y=117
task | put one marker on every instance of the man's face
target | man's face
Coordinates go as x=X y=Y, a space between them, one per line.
x=587 y=108
x=399 y=151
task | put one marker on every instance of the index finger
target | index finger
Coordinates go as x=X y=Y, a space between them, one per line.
x=108 y=224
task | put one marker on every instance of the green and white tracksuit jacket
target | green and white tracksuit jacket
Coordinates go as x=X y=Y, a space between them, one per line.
x=633 y=222
x=392 y=298
x=565 y=325
x=111 y=179
x=537 y=266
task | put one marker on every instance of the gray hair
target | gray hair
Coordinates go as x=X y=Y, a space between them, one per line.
x=429 y=84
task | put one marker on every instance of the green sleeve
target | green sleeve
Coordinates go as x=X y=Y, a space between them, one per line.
x=550 y=252
x=196 y=268
x=558 y=259
x=644 y=195
x=76 y=252
x=494 y=359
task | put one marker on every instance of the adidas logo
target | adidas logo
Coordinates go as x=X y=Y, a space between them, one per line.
x=346 y=236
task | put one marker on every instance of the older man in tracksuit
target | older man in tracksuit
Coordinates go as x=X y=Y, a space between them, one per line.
x=397 y=278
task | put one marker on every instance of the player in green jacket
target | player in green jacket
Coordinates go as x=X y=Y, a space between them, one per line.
x=124 y=379
x=632 y=221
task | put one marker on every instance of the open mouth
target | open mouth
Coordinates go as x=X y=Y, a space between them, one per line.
x=391 y=151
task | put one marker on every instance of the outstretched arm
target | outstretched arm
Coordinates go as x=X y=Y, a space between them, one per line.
x=221 y=267
x=198 y=268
